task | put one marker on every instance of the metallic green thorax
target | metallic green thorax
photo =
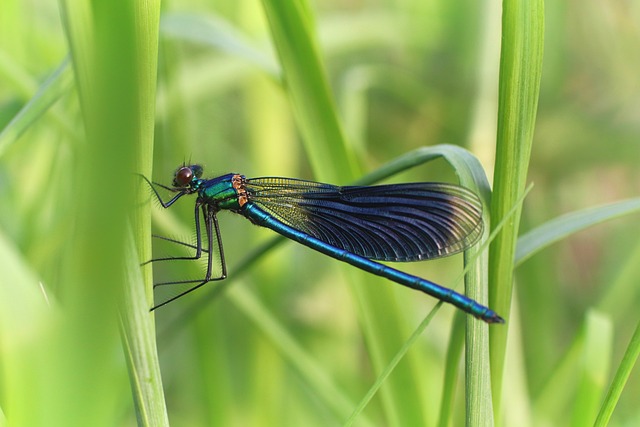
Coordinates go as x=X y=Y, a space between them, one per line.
x=221 y=192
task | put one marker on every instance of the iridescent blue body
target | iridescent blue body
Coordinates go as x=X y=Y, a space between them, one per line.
x=356 y=225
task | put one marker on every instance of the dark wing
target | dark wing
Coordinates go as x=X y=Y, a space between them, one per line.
x=397 y=222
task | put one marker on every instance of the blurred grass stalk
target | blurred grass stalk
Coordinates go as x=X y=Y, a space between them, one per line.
x=519 y=86
x=333 y=160
x=114 y=53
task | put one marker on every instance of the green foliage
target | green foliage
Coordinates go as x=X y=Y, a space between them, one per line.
x=323 y=91
x=518 y=92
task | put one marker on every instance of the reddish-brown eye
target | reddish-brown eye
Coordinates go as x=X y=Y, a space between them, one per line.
x=183 y=177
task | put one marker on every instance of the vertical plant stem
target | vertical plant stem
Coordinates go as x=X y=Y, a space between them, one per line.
x=138 y=327
x=292 y=29
x=114 y=55
x=520 y=73
x=94 y=273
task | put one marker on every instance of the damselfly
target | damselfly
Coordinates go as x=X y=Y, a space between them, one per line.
x=358 y=224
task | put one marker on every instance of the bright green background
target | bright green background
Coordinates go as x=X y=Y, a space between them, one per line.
x=297 y=339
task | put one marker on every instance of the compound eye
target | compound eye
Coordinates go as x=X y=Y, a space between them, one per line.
x=183 y=177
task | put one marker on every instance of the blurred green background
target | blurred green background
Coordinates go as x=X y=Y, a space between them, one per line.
x=286 y=343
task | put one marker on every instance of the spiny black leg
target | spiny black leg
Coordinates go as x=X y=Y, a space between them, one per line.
x=207 y=223
x=198 y=246
x=210 y=221
x=162 y=202
x=178 y=242
x=189 y=245
x=223 y=263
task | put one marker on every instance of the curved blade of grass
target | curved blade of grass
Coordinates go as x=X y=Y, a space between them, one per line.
x=56 y=85
x=519 y=85
x=478 y=390
x=557 y=229
x=216 y=32
x=471 y=174
x=466 y=166
x=476 y=403
x=479 y=410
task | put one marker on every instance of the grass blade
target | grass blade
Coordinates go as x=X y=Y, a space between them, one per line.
x=55 y=86
x=312 y=103
x=114 y=55
x=520 y=73
x=620 y=379
x=594 y=366
x=559 y=228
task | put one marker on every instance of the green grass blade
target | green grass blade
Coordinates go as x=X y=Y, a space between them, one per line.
x=114 y=51
x=478 y=391
x=312 y=342
x=137 y=324
x=58 y=83
x=555 y=396
x=479 y=409
x=15 y=76
x=559 y=228
x=580 y=376
x=620 y=380
x=27 y=319
x=140 y=349
x=594 y=368
x=217 y=33
x=520 y=73
x=621 y=292
x=452 y=367
x=392 y=365
x=306 y=365
x=464 y=164
x=272 y=328
x=292 y=30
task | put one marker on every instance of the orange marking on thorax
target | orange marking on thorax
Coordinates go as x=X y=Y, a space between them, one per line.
x=237 y=181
